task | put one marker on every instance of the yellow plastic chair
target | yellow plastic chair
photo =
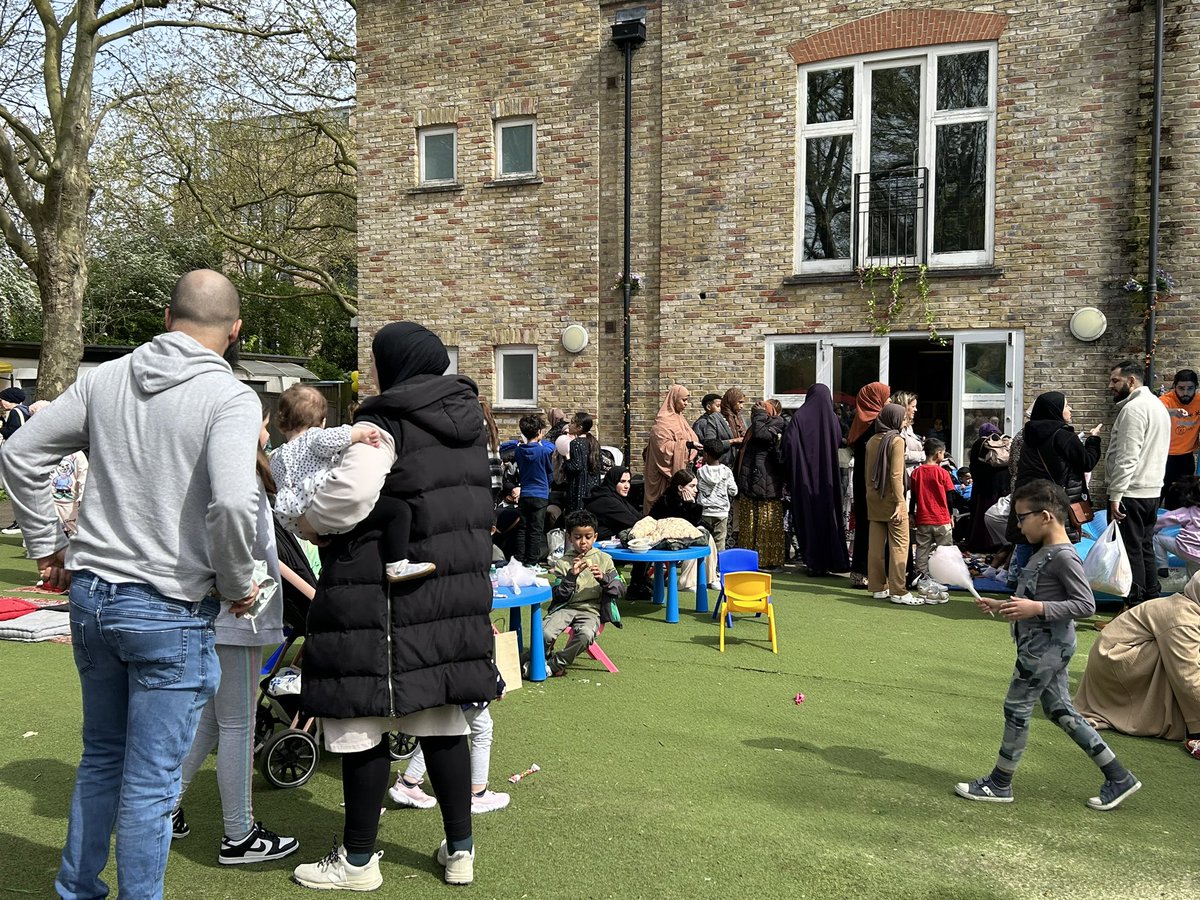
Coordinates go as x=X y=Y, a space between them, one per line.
x=748 y=592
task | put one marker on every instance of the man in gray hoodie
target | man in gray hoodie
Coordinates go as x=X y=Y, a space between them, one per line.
x=1134 y=467
x=170 y=515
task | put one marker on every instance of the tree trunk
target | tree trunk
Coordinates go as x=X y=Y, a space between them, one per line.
x=62 y=280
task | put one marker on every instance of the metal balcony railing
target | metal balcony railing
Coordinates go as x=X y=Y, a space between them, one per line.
x=889 y=213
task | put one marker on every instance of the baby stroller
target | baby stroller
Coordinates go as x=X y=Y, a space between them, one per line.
x=286 y=739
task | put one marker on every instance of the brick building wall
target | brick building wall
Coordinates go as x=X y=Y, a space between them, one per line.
x=714 y=175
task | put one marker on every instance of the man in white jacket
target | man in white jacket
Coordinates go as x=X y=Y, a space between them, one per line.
x=1135 y=465
x=169 y=515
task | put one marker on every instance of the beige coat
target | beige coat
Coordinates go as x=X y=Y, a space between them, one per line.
x=881 y=507
x=1143 y=672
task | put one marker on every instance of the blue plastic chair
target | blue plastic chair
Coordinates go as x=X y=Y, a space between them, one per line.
x=735 y=559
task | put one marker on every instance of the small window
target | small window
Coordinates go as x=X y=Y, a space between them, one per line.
x=516 y=148
x=438 y=152
x=516 y=376
x=452 y=369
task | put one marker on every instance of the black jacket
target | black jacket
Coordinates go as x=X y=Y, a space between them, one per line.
x=714 y=427
x=760 y=474
x=378 y=649
x=612 y=511
x=672 y=506
x=1054 y=452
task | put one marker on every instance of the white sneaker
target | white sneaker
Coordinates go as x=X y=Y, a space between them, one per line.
x=410 y=795
x=906 y=600
x=880 y=595
x=935 y=599
x=11 y=529
x=334 y=873
x=403 y=570
x=460 y=866
x=488 y=801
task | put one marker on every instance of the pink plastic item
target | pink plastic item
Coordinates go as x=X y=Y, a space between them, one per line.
x=515 y=778
x=799 y=699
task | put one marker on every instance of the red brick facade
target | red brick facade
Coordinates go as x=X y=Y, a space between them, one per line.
x=898 y=30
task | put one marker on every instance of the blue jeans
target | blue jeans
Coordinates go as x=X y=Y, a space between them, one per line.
x=146 y=667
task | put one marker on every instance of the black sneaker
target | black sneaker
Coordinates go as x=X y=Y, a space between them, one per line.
x=11 y=529
x=258 y=846
x=984 y=789
x=179 y=825
x=1114 y=793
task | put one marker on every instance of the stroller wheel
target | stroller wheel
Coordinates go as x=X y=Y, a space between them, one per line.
x=401 y=745
x=289 y=758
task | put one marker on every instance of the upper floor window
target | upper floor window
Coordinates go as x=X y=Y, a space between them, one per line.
x=438 y=149
x=896 y=159
x=516 y=147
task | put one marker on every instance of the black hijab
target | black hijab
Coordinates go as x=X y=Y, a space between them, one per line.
x=1045 y=418
x=614 y=512
x=403 y=350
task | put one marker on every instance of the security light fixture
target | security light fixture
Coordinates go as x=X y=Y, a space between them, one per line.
x=1088 y=324
x=574 y=338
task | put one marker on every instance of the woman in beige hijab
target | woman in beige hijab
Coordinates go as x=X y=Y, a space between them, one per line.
x=1143 y=672
x=667 y=451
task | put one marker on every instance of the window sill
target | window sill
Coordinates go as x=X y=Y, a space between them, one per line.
x=513 y=181
x=442 y=188
x=512 y=406
x=931 y=274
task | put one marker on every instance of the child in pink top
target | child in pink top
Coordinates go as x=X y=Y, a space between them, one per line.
x=1186 y=543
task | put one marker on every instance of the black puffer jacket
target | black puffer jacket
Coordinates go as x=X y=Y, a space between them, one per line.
x=760 y=473
x=378 y=649
x=1053 y=451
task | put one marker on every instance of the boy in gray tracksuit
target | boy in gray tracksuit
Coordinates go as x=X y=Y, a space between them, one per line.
x=1052 y=592
x=717 y=487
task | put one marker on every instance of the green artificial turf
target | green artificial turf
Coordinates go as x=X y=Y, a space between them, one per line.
x=695 y=774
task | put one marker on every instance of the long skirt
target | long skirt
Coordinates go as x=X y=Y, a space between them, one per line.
x=761 y=528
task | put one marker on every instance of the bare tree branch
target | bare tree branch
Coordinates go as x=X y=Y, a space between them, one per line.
x=16 y=241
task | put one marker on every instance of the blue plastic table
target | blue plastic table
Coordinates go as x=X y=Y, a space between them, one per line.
x=669 y=560
x=533 y=597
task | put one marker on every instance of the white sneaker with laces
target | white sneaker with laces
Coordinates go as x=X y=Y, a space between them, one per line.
x=403 y=570
x=488 y=801
x=460 y=866
x=907 y=600
x=410 y=795
x=334 y=873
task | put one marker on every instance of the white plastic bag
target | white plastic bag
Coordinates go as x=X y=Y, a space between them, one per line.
x=556 y=540
x=286 y=681
x=515 y=576
x=1107 y=564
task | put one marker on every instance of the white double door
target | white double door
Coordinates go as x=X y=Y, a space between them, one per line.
x=986 y=378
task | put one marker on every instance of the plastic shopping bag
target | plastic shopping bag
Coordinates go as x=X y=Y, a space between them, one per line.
x=1107 y=564
x=516 y=576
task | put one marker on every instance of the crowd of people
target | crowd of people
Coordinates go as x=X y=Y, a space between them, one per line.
x=174 y=594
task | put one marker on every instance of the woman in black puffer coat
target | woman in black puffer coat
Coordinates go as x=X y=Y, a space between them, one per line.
x=382 y=657
x=760 y=485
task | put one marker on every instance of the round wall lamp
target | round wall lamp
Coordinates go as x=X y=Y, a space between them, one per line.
x=574 y=338
x=1088 y=324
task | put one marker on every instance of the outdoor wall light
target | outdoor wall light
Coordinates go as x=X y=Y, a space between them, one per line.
x=1088 y=324
x=574 y=338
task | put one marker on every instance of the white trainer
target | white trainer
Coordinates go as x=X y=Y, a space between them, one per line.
x=403 y=570
x=410 y=795
x=460 y=866
x=488 y=801
x=334 y=873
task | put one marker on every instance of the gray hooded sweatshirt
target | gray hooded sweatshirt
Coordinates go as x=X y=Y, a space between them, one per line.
x=172 y=495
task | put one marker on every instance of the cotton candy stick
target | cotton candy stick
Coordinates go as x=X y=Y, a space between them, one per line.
x=515 y=778
x=946 y=565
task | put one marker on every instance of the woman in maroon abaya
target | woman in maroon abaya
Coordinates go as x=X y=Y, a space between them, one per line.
x=810 y=460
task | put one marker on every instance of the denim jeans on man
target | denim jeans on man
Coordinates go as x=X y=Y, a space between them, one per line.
x=147 y=666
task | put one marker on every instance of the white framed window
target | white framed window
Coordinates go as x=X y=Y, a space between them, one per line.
x=438 y=152
x=516 y=375
x=452 y=369
x=843 y=363
x=516 y=147
x=896 y=159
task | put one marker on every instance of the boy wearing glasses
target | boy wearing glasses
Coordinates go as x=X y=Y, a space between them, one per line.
x=1052 y=592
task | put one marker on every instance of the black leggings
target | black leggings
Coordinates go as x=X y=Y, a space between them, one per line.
x=365 y=779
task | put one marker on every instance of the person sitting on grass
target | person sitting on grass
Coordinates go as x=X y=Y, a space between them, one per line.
x=1052 y=592
x=587 y=585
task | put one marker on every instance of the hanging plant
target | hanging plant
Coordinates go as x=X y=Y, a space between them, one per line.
x=1164 y=282
x=884 y=305
x=636 y=282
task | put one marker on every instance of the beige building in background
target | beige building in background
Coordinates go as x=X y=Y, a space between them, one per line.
x=777 y=146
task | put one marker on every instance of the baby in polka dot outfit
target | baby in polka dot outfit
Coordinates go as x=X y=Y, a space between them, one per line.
x=303 y=464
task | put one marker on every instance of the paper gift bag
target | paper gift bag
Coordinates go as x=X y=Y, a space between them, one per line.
x=508 y=659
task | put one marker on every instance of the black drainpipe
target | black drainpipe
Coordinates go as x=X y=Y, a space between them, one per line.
x=1155 y=150
x=628 y=35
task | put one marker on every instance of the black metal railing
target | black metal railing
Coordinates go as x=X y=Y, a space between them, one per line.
x=890 y=209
